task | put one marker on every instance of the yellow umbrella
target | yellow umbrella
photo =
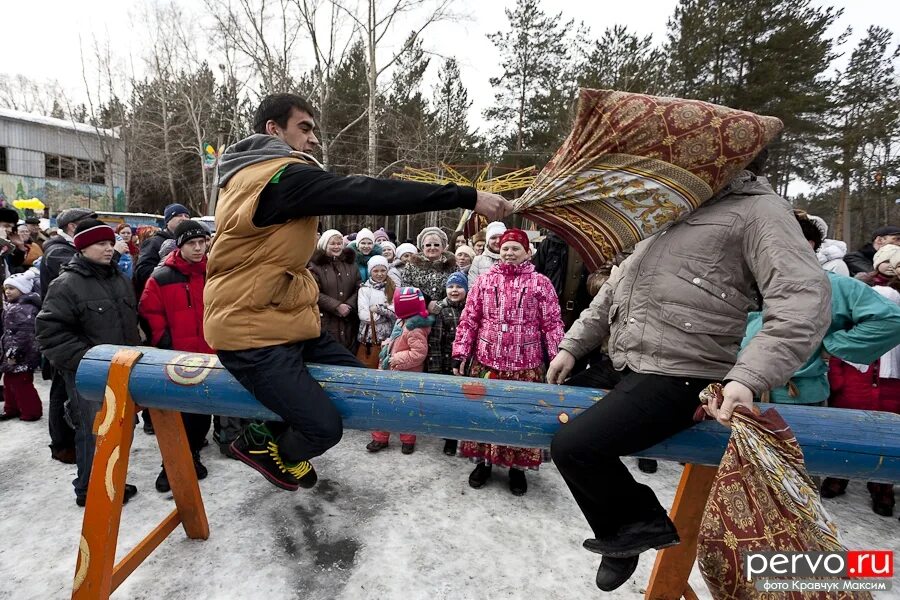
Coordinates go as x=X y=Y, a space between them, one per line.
x=32 y=203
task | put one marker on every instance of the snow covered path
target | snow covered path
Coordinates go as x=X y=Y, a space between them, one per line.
x=382 y=526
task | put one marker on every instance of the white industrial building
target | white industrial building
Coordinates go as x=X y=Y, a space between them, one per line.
x=60 y=162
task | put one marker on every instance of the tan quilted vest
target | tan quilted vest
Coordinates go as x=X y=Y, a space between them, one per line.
x=258 y=289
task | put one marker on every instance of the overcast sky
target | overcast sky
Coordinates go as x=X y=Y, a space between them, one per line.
x=43 y=38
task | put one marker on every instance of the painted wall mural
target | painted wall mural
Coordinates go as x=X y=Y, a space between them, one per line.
x=58 y=195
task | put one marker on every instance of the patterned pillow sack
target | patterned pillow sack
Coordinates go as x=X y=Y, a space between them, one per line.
x=762 y=500
x=635 y=164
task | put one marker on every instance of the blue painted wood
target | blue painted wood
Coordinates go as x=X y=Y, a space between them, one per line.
x=854 y=444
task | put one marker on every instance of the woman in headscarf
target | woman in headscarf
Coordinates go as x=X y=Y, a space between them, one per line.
x=334 y=268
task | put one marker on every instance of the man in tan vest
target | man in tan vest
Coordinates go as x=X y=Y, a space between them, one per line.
x=261 y=303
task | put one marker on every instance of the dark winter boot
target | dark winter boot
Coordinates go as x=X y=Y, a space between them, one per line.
x=882 y=498
x=130 y=492
x=450 y=447
x=634 y=538
x=63 y=455
x=833 y=487
x=199 y=467
x=480 y=475
x=614 y=572
x=407 y=448
x=518 y=485
x=148 y=424
x=162 y=482
x=376 y=446
x=647 y=465
x=256 y=448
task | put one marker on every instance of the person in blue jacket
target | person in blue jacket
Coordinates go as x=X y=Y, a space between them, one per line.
x=864 y=326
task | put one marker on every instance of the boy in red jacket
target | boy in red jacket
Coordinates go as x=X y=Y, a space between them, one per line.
x=172 y=309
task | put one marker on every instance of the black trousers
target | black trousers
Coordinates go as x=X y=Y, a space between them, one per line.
x=277 y=376
x=62 y=435
x=639 y=412
x=196 y=427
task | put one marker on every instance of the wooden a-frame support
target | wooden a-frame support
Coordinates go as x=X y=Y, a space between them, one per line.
x=97 y=575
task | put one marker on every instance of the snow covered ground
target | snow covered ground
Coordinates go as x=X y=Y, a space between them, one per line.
x=380 y=526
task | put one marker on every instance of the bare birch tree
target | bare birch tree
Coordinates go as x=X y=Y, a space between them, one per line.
x=374 y=24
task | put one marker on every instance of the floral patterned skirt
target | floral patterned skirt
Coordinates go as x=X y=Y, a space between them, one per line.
x=495 y=454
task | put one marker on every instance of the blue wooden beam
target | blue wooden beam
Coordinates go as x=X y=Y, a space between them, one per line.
x=854 y=444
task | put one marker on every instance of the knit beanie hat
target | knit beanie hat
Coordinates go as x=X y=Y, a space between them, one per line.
x=167 y=248
x=404 y=248
x=420 y=240
x=189 y=230
x=20 y=282
x=495 y=228
x=386 y=245
x=377 y=261
x=323 y=240
x=173 y=210
x=365 y=234
x=516 y=235
x=92 y=231
x=379 y=235
x=458 y=278
x=409 y=302
x=467 y=250
x=887 y=253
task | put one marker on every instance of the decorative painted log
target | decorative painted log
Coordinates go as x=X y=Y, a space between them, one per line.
x=854 y=444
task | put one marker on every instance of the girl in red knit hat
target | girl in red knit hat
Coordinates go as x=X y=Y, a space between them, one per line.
x=406 y=350
x=510 y=327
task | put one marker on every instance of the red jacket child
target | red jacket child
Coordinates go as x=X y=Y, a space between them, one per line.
x=172 y=305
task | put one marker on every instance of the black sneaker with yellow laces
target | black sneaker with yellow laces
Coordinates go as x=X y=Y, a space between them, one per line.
x=256 y=447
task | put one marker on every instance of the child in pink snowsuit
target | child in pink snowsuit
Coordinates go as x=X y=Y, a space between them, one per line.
x=407 y=350
x=510 y=326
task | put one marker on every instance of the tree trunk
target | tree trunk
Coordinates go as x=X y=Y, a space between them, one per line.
x=373 y=84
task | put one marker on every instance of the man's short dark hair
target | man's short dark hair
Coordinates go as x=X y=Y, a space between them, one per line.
x=810 y=231
x=277 y=107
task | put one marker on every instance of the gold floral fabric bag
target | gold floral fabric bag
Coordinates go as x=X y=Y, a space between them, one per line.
x=762 y=500
x=635 y=164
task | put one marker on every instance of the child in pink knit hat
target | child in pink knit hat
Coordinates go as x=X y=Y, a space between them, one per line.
x=406 y=350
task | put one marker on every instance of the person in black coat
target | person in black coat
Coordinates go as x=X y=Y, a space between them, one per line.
x=58 y=251
x=566 y=271
x=90 y=303
x=149 y=257
x=861 y=260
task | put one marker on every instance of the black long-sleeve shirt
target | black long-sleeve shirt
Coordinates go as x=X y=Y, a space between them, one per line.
x=307 y=191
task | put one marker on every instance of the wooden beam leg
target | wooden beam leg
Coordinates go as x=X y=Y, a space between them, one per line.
x=100 y=529
x=179 y=465
x=669 y=579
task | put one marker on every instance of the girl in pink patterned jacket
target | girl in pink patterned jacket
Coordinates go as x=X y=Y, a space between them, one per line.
x=510 y=328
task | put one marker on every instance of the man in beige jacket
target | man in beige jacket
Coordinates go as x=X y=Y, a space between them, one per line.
x=261 y=302
x=674 y=315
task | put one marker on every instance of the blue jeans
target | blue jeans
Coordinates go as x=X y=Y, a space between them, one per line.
x=82 y=413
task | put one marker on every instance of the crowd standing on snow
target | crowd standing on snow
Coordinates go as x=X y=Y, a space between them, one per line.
x=498 y=305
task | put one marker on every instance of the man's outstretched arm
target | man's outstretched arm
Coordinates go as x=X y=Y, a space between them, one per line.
x=306 y=191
